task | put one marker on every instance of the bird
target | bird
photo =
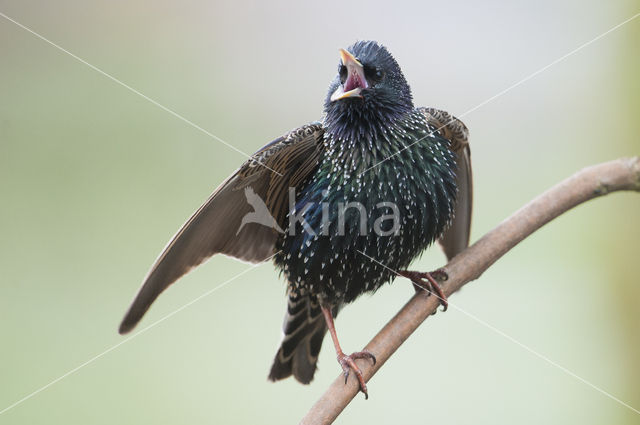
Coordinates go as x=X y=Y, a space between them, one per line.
x=356 y=197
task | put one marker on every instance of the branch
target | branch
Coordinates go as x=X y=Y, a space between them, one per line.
x=589 y=183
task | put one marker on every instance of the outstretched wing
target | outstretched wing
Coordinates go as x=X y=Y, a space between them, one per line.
x=456 y=237
x=281 y=164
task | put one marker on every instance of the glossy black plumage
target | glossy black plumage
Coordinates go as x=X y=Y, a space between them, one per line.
x=371 y=147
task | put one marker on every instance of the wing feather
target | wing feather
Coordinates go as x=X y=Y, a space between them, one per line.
x=456 y=237
x=213 y=228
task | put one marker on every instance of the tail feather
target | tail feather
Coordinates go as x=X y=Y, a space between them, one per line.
x=304 y=329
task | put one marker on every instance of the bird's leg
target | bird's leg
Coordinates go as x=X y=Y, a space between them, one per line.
x=347 y=361
x=427 y=281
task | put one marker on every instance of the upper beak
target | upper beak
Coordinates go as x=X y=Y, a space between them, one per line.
x=347 y=58
x=355 y=81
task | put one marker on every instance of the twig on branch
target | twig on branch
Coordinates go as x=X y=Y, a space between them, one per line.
x=589 y=183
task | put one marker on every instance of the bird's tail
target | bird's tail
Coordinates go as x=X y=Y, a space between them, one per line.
x=304 y=329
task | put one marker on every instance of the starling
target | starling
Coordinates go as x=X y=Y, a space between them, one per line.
x=341 y=206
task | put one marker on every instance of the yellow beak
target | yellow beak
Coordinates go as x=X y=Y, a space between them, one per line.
x=348 y=58
x=355 y=81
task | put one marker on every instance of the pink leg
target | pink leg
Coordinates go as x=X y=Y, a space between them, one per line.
x=347 y=361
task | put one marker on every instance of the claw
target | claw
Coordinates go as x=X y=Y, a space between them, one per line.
x=430 y=284
x=348 y=364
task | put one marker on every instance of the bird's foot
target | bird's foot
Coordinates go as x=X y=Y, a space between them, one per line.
x=429 y=282
x=348 y=364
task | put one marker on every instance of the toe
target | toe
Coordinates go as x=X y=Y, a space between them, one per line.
x=348 y=364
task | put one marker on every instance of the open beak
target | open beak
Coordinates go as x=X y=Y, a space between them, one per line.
x=355 y=81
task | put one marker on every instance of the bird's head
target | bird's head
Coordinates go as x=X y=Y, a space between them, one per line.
x=369 y=90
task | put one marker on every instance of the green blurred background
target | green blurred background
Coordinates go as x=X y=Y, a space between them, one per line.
x=94 y=180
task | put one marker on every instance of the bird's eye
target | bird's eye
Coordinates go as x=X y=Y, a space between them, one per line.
x=342 y=70
x=374 y=74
